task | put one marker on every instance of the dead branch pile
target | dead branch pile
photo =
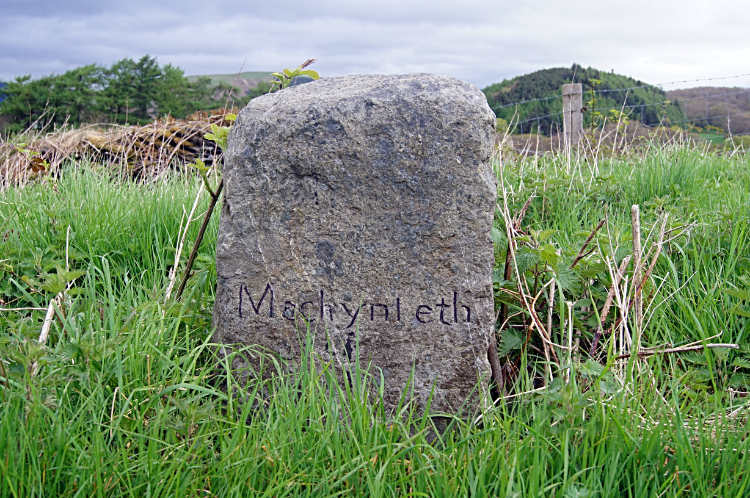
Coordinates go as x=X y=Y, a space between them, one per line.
x=141 y=151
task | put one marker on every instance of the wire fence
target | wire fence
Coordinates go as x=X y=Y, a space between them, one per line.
x=720 y=121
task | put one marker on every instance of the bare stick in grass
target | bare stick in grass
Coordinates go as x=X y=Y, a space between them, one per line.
x=47 y=324
x=194 y=252
x=569 y=373
x=496 y=367
x=180 y=245
x=635 y=215
x=638 y=290
x=581 y=253
x=659 y=246
x=23 y=309
x=684 y=349
x=58 y=299
x=550 y=307
x=608 y=303
x=44 y=334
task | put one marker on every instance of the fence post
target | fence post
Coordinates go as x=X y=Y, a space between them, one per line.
x=572 y=98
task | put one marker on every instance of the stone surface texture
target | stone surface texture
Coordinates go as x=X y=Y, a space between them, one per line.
x=362 y=206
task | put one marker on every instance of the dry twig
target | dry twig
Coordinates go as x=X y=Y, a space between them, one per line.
x=683 y=349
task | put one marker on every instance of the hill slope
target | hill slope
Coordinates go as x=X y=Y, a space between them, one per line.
x=548 y=82
x=713 y=103
x=243 y=82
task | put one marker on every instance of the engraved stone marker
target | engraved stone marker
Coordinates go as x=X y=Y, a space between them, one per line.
x=362 y=206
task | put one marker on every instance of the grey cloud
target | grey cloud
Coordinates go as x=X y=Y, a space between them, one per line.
x=478 y=41
x=52 y=8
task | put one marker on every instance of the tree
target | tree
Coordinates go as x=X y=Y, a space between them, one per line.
x=201 y=95
x=119 y=90
x=132 y=90
x=25 y=101
x=73 y=97
x=148 y=76
x=126 y=92
x=174 y=93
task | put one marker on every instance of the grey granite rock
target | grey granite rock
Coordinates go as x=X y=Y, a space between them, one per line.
x=363 y=205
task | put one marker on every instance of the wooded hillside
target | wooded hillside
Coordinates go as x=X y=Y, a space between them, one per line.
x=716 y=103
x=597 y=85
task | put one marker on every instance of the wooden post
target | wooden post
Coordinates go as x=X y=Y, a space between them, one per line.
x=572 y=95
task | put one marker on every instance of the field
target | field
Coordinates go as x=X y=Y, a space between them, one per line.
x=229 y=78
x=124 y=398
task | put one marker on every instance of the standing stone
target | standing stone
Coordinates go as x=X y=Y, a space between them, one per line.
x=362 y=206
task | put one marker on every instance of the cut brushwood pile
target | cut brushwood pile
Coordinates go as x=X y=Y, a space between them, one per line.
x=140 y=151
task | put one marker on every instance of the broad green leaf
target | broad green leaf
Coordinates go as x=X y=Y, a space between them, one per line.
x=592 y=369
x=583 y=302
x=591 y=270
x=509 y=341
x=740 y=380
x=549 y=254
x=314 y=75
x=526 y=258
x=498 y=237
x=742 y=294
x=498 y=278
x=200 y=165
x=565 y=277
x=523 y=238
x=54 y=284
x=544 y=234
x=72 y=275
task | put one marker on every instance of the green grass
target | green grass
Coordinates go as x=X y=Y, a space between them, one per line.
x=714 y=138
x=229 y=78
x=127 y=401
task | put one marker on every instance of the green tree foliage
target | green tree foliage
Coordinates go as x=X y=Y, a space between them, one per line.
x=137 y=92
x=129 y=91
x=549 y=82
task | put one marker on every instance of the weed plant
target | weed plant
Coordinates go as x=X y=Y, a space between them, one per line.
x=124 y=398
x=701 y=279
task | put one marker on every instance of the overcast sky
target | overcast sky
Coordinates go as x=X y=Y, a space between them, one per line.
x=479 y=41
